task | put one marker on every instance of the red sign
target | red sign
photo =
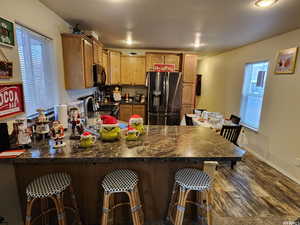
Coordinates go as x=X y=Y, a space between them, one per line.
x=164 y=67
x=11 y=100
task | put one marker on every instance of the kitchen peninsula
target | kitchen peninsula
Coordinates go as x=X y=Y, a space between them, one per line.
x=155 y=157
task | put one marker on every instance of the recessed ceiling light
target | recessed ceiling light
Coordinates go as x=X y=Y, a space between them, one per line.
x=265 y=3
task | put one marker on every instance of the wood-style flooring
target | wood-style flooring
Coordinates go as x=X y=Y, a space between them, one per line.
x=254 y=193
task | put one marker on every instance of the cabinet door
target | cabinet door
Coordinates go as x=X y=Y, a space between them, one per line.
x=125 y=112
x=173 y=59
x=139 y=73
x=188 y=94
x=127 y=69
x=105 y=61
x=189 y=68
x=115 y=67
x=152 y=59
x=139 y=109
x=73 y=62
x=186 y=109
x=88 y=63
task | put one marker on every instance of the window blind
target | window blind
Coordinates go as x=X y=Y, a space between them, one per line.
x=36 y=69
x=253 y=93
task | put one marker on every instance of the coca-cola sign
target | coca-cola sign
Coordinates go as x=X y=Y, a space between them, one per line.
x=11 y=100
x=158 y=67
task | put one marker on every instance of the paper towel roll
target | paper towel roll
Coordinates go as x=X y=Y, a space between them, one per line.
x=61 y=114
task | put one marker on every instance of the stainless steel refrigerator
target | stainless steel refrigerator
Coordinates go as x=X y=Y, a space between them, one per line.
x=164 y=98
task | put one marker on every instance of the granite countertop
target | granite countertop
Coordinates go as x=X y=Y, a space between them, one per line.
x=132 y=103
x=159 y=143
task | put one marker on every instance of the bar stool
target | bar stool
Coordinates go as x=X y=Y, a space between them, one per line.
x=187 y=180
x=51 y=186
x=122 y=181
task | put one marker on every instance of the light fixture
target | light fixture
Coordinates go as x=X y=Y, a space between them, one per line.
x=129 y=38
x=265 y=3
x=129 y=41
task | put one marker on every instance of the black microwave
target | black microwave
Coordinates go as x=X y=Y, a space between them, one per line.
x=99 y=75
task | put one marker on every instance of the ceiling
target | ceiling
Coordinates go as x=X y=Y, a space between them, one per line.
x=173 y=24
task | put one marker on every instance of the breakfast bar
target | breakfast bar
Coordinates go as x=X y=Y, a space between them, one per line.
x=155 y=157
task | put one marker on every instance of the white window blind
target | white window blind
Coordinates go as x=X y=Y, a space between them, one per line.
x=36 y=68
x=253 y=93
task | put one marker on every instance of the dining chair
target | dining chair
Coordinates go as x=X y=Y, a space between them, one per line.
x=200 y=110
x=231 y=133
x=188 y=120
x=235 y=119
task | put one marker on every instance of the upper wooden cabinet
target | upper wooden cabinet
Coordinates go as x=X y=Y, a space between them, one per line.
x=78 y=61
x=152 y=59
x=164 y=58
x=97 y=52
x=173 y=59
x=189 y=67
x=115 y=67
x=133 y=70
x=105 y=61
x=88 y=63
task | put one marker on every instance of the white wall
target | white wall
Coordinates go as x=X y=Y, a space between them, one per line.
x=277 y=140
x=38 y=17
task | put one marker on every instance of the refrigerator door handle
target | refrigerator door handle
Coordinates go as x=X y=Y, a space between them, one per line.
x=167 y=92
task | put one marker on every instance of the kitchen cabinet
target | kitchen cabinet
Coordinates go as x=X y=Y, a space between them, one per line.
x=173 y=59
x=133 y=70
x=139 y=110
x=78 y=61
x=164 y=58
x=127 y=110
x=114 y=67
x=97 y=52
x=188 y=93
x=152 y=59
x=88 y=63
x=186 y=109
x=189 y=67
x=105 y=61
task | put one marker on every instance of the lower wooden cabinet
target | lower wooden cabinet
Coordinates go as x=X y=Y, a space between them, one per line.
x=188 y=93
x=186 y=109
x=127 y=110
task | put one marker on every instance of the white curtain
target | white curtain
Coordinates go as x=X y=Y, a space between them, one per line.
x=36 y=68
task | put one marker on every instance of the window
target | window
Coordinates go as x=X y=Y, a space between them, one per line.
x=253 y=93
x=36 y=69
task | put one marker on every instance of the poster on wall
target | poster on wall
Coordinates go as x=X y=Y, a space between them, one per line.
x=6 y=67
x=11 y=100
x=286 y=61
x=7 y=35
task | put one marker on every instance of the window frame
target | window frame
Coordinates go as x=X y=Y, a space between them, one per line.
x=263 y=98
x=52 y=66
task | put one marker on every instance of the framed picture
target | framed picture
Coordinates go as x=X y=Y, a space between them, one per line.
x=286 y=61
x=11 y=100
x=7 y=35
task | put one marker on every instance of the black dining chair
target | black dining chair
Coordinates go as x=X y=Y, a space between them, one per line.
x=231 y=133
x=235 y=119
x=188 y=120
x=201 y=110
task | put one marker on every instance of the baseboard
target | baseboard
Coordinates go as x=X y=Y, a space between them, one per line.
x=271 y=164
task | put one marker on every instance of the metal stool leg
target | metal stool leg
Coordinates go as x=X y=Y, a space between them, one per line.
x=105 y=208
x=74 y=202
